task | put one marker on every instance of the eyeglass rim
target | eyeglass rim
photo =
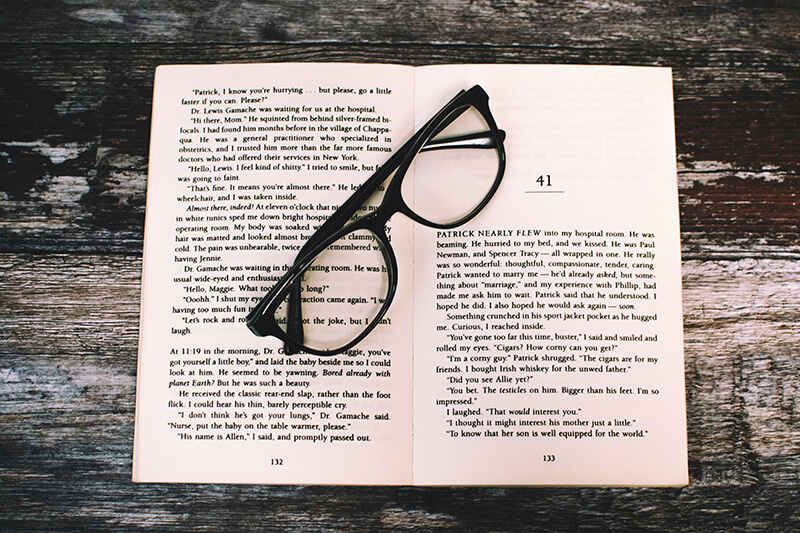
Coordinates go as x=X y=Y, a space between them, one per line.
x=267 y=325
x=394 y=193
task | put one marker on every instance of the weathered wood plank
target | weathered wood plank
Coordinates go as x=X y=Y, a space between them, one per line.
x=67 y=380
x=742 y=322
x=730 y=214
x=74 y=133
x=745 y=25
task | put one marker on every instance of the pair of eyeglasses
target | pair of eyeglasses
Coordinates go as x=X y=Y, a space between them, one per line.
x=344 y=278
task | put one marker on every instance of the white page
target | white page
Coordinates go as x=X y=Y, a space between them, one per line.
x=589 y=149
x=225 y=215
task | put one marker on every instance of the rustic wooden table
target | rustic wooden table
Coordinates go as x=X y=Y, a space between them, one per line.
x=75 y=93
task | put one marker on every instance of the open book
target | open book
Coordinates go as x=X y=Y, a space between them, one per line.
x=539 y=343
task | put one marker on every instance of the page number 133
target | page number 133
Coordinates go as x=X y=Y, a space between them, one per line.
x=548 y=458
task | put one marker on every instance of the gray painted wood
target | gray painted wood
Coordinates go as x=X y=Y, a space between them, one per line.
x=75 y=94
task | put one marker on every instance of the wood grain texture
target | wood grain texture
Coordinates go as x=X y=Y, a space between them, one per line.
x=75 y=132
x=67 y=381
x=75 y=94
x=723 y=24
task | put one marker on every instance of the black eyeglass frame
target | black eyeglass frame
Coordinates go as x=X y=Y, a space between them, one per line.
x=261 y=320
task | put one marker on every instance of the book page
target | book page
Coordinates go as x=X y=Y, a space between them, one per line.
x=246 y=162
x=548 y=330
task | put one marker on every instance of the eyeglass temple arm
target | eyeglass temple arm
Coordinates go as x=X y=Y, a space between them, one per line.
x=349 y=207
x=338 y=219
x=480 y=140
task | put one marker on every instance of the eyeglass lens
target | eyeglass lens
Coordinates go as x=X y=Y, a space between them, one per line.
x=445 y=185
x=341 y=292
